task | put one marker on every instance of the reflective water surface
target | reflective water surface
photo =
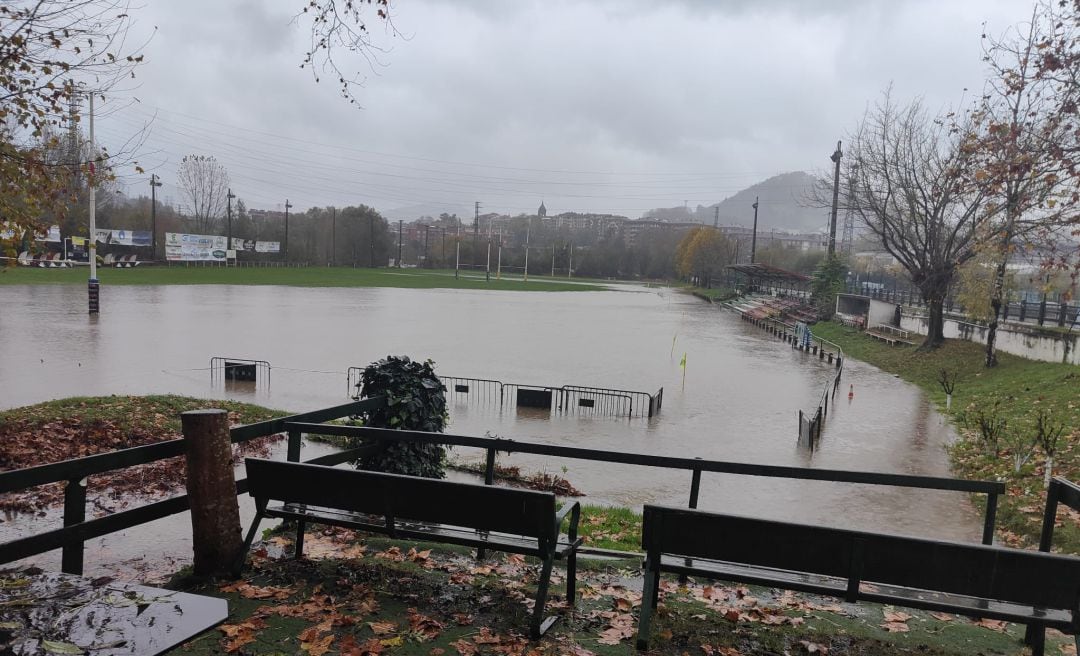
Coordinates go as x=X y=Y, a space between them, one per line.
x=739 y=401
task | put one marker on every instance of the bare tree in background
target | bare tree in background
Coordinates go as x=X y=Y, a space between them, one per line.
x=50 y=50
x=205 y=184
x=341 y=25
x=911 y=184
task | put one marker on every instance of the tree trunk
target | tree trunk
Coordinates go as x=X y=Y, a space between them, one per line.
x=998 y=294
x=1048 y=471
x=996 y=299
x=935 y=333
x=211 y=487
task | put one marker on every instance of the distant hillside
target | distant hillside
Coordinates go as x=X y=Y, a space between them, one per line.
x=780 y=206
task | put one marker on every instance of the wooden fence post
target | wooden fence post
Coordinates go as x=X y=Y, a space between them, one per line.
x=211 y=488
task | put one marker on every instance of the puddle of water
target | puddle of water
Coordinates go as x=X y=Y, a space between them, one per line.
x=739 y=402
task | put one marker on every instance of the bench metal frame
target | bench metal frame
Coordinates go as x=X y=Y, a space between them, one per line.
x=503 y=519
x=975 y=580
x=1060 y=492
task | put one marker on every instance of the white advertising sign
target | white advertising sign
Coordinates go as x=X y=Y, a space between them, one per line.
x=181 y=247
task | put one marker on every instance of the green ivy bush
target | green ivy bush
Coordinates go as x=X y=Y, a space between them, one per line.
x=415 y=400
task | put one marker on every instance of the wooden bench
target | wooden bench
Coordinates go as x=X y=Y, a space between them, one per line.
x=407 y=507
x=893 y=331
x=975 y=580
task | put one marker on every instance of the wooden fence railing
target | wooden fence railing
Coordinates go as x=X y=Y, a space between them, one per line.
x=77 y=529
x=992 y=489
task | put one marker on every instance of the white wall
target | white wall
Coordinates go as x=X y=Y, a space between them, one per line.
x=881 y=313
x=1025 y=341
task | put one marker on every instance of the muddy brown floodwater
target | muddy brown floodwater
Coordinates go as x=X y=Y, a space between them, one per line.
x=740 y=399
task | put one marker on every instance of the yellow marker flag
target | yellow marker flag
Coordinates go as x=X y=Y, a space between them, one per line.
x=673 y=338
x=682 y=363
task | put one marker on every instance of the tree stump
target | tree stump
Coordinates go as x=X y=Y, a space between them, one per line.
x=211 y=488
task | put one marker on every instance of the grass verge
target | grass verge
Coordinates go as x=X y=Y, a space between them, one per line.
x=295 y=276
x=131 y=413
x=1015 y=393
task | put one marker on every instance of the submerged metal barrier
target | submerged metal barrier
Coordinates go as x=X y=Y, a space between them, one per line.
x=564 y=399
x=239 y=369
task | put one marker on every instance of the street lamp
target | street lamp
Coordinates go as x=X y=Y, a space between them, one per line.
x=287 y=206
x=154 y=184
x=229 y=195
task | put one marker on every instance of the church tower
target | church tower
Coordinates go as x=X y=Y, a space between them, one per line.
x=542 y=211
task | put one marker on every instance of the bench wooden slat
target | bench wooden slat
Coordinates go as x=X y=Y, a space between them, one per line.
x=507 y=510
x=976 y=570
x=431 y=510
x=527 y=546
x=971 y=579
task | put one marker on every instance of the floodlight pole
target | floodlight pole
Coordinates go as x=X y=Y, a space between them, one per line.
x=93 y=287
x=753 y=237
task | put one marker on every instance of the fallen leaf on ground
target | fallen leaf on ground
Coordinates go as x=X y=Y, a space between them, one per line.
x=382 y=628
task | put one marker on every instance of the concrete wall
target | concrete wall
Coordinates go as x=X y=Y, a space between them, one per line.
x=881 y=313
x=1018 y=339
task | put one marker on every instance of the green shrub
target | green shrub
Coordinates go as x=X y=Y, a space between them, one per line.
x=415 y=400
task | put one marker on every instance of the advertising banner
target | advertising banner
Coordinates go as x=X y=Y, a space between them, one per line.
x=123 y=237
x=252 y=246
x=181 y=247
x=53 y=234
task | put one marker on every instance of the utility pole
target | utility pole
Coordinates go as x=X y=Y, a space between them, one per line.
x=442 y=262
x=716 y=217
x=570 y=267
x=487 y=268
x=426 y=229
x=154 y=184
x=228 y=222
x=552 y=259
x=333 y=236
x=849 y=217
x=400 y=223
x=93 y=287
x=476 y=231
x=371 y=240
x=528 y=228
x=287 y=206
x=835 y=199
x=753 y=237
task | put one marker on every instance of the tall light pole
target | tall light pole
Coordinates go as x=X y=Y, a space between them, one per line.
x=287 y=206
x=154 y=184
x=229 y=195
x=528 y=228
x=753 y=237
x=93 y=286
x=835 y=157
x=333 y=236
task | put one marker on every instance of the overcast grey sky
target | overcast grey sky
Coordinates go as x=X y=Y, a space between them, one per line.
x=602 y=105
